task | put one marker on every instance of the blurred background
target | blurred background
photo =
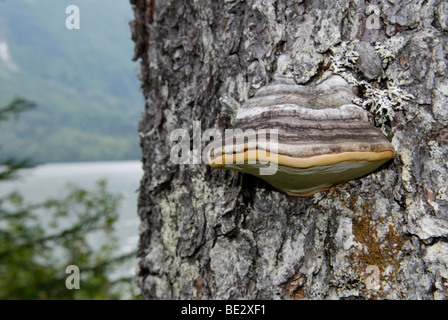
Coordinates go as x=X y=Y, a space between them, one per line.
x=69 y=149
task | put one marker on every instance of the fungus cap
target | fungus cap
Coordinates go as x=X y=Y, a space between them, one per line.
x=321 y=138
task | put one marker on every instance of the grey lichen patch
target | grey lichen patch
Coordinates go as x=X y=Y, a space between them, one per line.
x=174 y=229
x=402 y=16
x=170 y=233
x=333 y=250
x=188 y=275
x=306 y=61
x=344 y=236
x=424 y=178
x=265 y=220
x=231 y=266
x=418 y=64
x=440 y=102
x=202 y=187
x=154 y=256
x=442 y=15
x=314 y=35
x=427 y=209
x=155 y=286
x=291 y=253
x=406 y=156
x=326 y=30
x=437 y=260
x=389 y=49
x=382 y=103
x=268 y=9
x=343 y=56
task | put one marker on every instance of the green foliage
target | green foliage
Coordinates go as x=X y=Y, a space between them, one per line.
x=38 y=241
x=33 y=257
x=15 y=107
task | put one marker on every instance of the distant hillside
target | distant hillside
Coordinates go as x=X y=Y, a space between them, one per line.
x=83 y=81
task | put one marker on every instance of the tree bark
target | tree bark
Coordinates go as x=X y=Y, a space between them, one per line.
x=216 y=234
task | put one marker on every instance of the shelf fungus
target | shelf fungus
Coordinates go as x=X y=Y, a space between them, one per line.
x=302 y=139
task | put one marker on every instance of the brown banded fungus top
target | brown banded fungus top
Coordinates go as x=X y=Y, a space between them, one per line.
x=321 y=138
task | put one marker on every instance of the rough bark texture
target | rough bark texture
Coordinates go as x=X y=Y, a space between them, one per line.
x=215 y=234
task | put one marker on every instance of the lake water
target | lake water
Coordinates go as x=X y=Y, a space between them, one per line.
x=123 y=177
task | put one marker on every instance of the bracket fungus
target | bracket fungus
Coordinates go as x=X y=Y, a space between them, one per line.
x=321 y=139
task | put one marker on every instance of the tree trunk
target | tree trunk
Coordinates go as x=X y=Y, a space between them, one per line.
x=217 y=234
